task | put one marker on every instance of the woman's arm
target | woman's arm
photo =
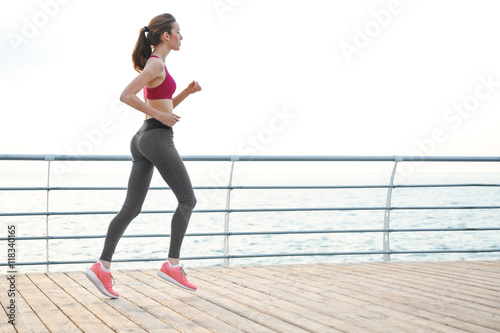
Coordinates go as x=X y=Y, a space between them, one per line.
x=191 y=89
x=152 y=70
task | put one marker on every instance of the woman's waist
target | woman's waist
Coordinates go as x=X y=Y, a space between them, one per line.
x=151 y=124
x=162 y=105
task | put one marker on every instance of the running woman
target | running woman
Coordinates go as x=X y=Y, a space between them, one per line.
x=152 y=146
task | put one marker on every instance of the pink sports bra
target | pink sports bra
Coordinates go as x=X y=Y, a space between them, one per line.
x=164 y=91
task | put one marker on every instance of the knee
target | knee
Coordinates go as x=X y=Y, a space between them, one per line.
x=189 y=202
x=192 y=201
x=131 y=210
x=132 y=213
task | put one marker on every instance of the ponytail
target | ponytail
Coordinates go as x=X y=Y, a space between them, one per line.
x=142 y=51
x=149 y=37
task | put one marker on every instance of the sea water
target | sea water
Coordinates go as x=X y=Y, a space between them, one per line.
x=254 y=175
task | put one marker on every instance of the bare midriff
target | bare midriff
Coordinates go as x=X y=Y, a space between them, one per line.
x=162 y=105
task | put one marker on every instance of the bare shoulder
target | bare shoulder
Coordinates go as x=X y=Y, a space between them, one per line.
x=154 y=65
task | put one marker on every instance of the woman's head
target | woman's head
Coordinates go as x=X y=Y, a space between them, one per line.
x=162 y=29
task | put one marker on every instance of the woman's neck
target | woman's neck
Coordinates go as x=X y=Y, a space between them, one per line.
x=161 y=52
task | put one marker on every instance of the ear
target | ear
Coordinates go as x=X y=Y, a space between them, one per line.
x=166 y=35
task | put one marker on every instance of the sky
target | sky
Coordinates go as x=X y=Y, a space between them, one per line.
x=279 y=77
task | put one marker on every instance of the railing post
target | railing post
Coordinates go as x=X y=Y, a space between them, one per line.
x=48 y=158
x=228 y=206
x=387 y=214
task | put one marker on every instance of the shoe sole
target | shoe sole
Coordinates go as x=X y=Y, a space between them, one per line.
x=171 y=280
x=95 y=280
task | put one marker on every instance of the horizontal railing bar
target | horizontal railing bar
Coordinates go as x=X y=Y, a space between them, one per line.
x=35 y=263
x=228 y=158
x=445 y=251
x=56 y=188
x=262 y=158
x=256 y=233
x=352 y=186
x=359 y=253
x=353 y=231
x=259 y=210
x=242 y=256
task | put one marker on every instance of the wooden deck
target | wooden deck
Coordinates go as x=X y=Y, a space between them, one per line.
x=377 y=297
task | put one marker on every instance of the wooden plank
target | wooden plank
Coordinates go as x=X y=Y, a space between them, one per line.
x=138 y=290
x=449 y=284
x=428 y=287
x=291 y=311
x=79 y=315
x=483 y=267
x=467 y=276
x=262 y=310
x=263 y=319
x=255 y=312
x=447 y=297
x=452 y=314
x=84 y=292
x=363 y=295
x=297 y=286
x=44 y=308
x=278 y=299
x=134 y=308
x=195 y=300
x=180 y=300
x=488 y=266
x=446 y=288
x=159 y=303
x=26 y=319
x=287 y=282
x=5 y=326
x=389 y=317
x=461 y=310
x=129 y=310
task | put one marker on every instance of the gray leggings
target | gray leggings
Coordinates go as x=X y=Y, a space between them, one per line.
x=153 y=146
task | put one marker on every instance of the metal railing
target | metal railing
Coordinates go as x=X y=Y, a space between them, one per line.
x=386 y=230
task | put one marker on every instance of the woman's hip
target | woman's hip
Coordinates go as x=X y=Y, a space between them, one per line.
x=152 y=124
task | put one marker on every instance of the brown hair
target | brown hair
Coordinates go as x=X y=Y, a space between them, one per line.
x=149 y=37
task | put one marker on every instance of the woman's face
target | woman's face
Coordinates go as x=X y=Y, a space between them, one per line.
x=174 y=39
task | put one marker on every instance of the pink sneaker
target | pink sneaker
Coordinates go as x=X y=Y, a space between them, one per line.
x=102 y=280
x=175 y=275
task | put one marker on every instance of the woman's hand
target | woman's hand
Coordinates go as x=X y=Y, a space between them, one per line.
x=193 y=87
x=167 y=118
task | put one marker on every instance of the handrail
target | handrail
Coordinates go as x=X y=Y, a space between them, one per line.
x=239 y=187
x=257 y=210
x=388 y=208
x=266 y=255
x=261 y=158
x=256 y=233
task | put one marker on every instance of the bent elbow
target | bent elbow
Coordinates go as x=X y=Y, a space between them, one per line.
x=124 y=97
